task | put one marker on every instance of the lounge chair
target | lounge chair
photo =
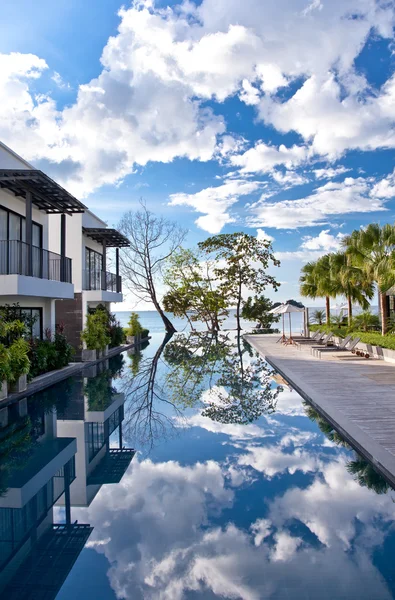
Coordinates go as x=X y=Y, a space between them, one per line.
x=302 y=338
x=344 y=349
x=323 y=342
x=310 y=341
x=342 y=346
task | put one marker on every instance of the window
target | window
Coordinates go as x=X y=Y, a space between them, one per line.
x=13 y=227
x=93 y=269
x=34 y=318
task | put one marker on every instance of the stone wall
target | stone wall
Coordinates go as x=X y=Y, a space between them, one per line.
x=69 y=312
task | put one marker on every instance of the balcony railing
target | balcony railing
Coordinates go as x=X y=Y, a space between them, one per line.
x=102 y=280
x=14 y=260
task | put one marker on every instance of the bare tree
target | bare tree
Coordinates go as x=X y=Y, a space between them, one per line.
x=152 y=240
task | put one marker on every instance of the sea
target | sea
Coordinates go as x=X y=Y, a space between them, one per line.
x=151 y=320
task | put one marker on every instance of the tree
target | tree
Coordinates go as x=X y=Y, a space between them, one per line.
x=372 y=249
x=318 y=317
x=316 y=282
x=352 y=282
x=245 y=260
x=258 y=309
x=152 y=240
x=193 y=293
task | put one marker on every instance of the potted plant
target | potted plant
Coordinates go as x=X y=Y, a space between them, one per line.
x=94 y=337
x=4 y=371
x=19 y=365
x=134 y=331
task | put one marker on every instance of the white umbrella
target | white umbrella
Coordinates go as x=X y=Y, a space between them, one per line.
x=282 y=310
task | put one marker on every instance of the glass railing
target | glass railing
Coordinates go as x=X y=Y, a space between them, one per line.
x=102 y=280
x=14 y=260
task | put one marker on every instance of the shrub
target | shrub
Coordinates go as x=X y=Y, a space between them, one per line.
x=365 y=321
x=144 y=333
x=4 y=363
x=19 y=360
x=117 y=335
x=113 y=327
x=134 y=325
x=95 y=334
x=376 y=339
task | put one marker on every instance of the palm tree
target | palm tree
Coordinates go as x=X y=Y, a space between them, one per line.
x=316 y=282
x=373 y=250
x=351 y=282
x=318 y=316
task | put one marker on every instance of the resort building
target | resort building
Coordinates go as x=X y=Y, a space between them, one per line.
x=92 y=246
x=31 y=273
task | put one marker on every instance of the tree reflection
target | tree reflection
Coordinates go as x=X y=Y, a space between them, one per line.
x=149 y=413
x=363 y=472
x=223 y=374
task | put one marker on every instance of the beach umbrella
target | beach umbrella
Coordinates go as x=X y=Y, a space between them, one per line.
x=287 y=309
x=275 y=311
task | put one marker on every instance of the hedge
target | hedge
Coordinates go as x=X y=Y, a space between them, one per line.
x=373 y=338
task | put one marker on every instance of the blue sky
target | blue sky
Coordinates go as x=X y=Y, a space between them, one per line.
x=272 y=117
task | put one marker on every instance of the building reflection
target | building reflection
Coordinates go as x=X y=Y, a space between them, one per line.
x=95 y=418
x=50 y=458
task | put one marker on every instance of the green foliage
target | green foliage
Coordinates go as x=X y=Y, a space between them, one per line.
x=5 y=369
x=193 y=293
x=144 y=333
x=135 y=327
x=19 y=359
x=246 y=260
x=99 y=391
x=95 y=335
x=47 y=355
x=258 y=309
x=114 y=329
x=318 y=317
x=365 y=321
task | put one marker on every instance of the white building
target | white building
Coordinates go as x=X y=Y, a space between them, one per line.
x=88 y=240
x=53 y=251
x=31 y=274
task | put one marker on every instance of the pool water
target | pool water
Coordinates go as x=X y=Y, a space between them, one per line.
x=187 y=470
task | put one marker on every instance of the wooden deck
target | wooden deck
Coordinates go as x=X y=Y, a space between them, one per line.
x=356 y=395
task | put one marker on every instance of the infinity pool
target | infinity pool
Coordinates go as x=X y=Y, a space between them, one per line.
x=187 y=470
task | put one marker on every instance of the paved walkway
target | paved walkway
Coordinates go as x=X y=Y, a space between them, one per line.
x=356 y=395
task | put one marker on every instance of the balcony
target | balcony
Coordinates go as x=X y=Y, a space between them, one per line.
x=102 y=280
x=23 y=264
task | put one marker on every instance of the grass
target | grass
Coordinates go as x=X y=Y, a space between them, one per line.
x=367 y=337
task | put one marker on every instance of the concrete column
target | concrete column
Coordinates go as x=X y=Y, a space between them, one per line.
x=104 y=266
x=29 y=232
x=117 y=269
x=52 y=315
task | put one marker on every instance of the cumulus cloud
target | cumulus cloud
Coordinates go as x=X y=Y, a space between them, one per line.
x=148 y=102
x=215 y=202
x=332 y=199
x=330 y=172
x=385 y=188
x=263 y=236
x=323 y=241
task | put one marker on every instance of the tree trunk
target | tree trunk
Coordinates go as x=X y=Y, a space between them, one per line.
x=327 y=310
x=349 y=302
x=167 y=323
x=383 y=310
x=238 y=307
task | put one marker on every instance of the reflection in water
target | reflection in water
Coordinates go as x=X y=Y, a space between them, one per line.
x=251 y=494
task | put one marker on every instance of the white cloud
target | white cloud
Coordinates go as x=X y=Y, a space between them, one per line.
x=215 y=202
x=262 y=158
x=263 y=236
x=324 y=241
x=385 y=188
x=350 y=196
x=330 y=172
x=60 y=82
x=289 y=179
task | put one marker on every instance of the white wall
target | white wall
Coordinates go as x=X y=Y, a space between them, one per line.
x=46 y=304
x=10 y=160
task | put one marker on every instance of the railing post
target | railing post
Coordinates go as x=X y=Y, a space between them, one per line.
x=62 y=247
x=117 y=270
x=29 y=232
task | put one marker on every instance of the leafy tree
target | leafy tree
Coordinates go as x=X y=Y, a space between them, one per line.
x=193 y=293
x=318 y=317
x=372 y=249
x=316 y=281
x=245 y=260
x=352 y=281
x=258 y=309
x=153 y=240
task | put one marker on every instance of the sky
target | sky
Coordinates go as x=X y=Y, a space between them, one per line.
x=274 y=117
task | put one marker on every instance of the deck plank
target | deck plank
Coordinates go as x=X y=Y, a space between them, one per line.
x=356 y=395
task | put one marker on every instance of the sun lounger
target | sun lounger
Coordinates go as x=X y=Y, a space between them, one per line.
x=324 y=342
x=301 y=338
x=340 y=352
x=342 y=346
x=309 y=341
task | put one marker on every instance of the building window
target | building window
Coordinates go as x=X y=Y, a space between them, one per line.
x=34 y=318
x=13 y=227
x=93 y=269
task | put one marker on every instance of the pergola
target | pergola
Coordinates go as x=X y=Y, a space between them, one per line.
x=43 y=192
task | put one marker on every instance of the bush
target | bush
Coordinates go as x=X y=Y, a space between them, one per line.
x=144 y=333
x=134 y=325
x=19 y=360
x=117 y=335
x=366 y=321
x=376 y=339
x=4 y=363
x=114 y=330
x=95 y=334
x=47 y=355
